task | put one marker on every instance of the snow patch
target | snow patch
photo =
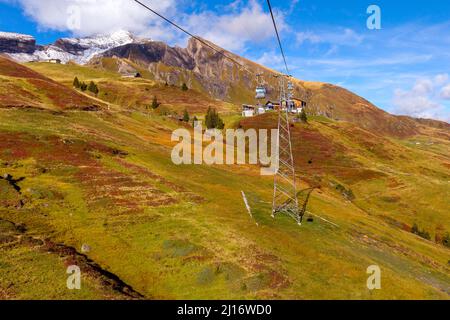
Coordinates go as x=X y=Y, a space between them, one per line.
x=89 y=48
x=15 y=36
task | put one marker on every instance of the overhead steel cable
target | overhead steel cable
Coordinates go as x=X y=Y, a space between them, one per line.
x=278 y=36
x=187 y=32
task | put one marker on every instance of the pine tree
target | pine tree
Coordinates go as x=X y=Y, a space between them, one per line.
x=208 y=119
x=194 y=120
x=446 y=240
x=220 y=123
x=92 y=87
x=415 y=228
x=76 y=83
x=184 y=87
x=186 y=116
x=83 y=86
x=303 y=116
x=213 y=120
x=155 y=103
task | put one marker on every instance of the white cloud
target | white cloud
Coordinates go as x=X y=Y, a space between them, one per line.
x=240 y=24
x=445 y=92
x=271 y=60
x=234 y=31
x=95 y=16
x=343 y=37
x=422 y=100
x=441 y=79
x=308 y=36
x=423 y=87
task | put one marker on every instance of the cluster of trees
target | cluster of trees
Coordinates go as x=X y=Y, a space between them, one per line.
x=92 y=87
x=441 y=236
x=421 y=233
x=213 y=120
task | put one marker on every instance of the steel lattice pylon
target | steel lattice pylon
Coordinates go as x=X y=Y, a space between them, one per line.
x=285 y=190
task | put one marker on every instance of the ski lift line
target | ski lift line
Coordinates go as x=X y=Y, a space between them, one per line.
x=188 y=33
x=278 y=36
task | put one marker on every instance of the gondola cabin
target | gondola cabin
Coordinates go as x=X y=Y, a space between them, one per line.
x=260 y=92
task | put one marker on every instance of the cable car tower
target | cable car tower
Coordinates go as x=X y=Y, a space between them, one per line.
x=285 y=199
x=285 y=196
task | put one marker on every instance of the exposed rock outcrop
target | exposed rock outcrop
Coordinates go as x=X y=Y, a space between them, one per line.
x=16 y=43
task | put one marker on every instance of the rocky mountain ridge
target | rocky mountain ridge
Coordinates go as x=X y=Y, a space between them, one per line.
x=23 y=48
x=209 y=71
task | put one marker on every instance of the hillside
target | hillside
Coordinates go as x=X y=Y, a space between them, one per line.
x=23 y=88
x=160 y=231
x=210 y=72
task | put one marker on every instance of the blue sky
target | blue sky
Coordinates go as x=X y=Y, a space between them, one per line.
x=403 y=68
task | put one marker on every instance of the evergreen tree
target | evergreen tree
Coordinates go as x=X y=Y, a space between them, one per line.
x=425 y=234
x=415 y=228
x=208 y=121
x=213 y=120
x=446 y=240
x=76 y=83
x=303 y=116
x=93 y=87
x=83 y=86
x=184 y=87
x=194 y=120
x=155 y=103
x=186 y=116
x=220 y=123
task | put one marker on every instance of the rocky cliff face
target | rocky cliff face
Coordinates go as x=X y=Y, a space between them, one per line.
x=153 y=52
x=197 y=65
x=69 y=46
x=16 y=43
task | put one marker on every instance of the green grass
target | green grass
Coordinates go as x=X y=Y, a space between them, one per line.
x=199 y=242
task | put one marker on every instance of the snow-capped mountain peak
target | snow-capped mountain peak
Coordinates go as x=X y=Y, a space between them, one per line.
x=15 y=36
x=112 y=40
x=80 y=50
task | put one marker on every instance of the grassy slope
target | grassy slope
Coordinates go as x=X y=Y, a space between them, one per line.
x=183 y=232
x=132 y=92
x=25 y=88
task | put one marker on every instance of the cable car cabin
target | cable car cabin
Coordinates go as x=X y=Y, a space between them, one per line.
x=260 y=93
